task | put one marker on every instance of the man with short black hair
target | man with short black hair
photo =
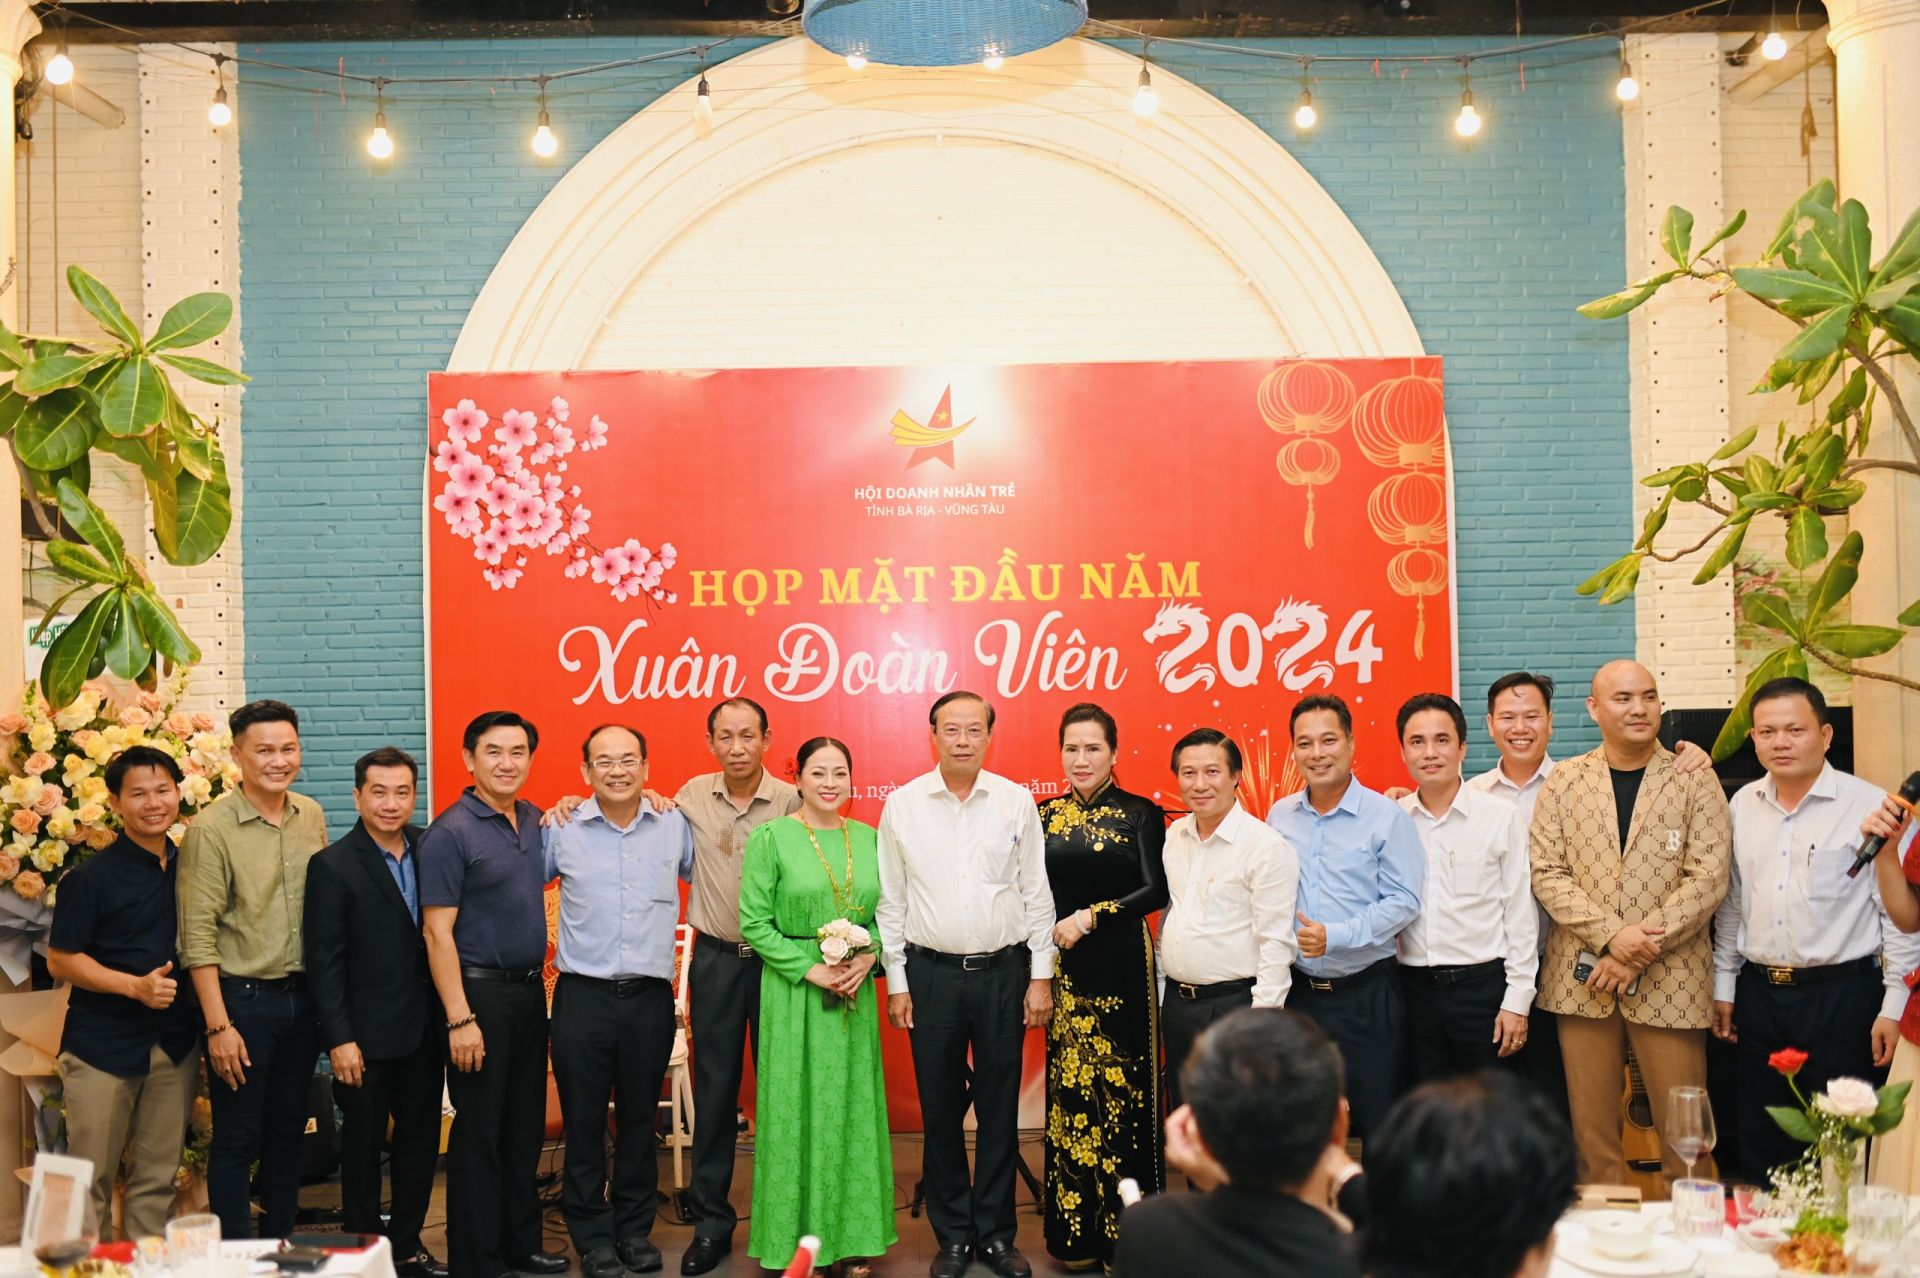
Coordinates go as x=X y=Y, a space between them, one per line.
x=380 y=1019
x=1361 y=874
x=483 y=894
x=1798 y=946
x=243 y=884
x=1263 y=1089
x=127 y=1051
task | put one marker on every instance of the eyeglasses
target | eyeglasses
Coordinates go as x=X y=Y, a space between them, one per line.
x=952 y=733
x=625 y=763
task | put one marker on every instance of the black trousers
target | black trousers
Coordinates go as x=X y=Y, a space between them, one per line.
x=265 y=1118
x=1450 y=1019
x=1365 y=1015
x=1831 y=1021
x=493 y=1152
x=955 y=1011
x=407 y=1090
x=723 y=992
x=1182 y=1021
x=1541 y=1062
x=610 y=1040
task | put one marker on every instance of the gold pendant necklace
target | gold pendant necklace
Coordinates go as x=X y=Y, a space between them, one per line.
x=841 y=903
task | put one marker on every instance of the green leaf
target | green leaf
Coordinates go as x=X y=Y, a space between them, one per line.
x=191 y=321
x=1837 y=579
x=1910 y=615
x=1856 y=641
x=1851 y=396
x=1816 y=197
x=70 y=657
x=1728 y=231
x=1820 y=338
x=1722 y=556
x=1623 y=582
x=205 y=370
x=1614 y=305
x=1793 y=1122
x=1656 y=520
x=1600 y=580
x=1690 y=489
x=77 y=563
x=137 y=450
x=1770 y=611
x=1779 y=373
x=162 y=629
x=1893 y=1104
x=1879 y=299
x=52 y=372
x=191 y=520
x=1806 y=537
x=56 y=429
x=134 y=399
x=1904 y=319
x=1767 y=501
x=1738 y=444
x=11 y=407
x=1676 y=234
x=103 y=306
x=13 y=354
x=128 y=652
x=93 y=525
x=196 y=455
x=1664 y=478
x=1781 y=284
x=1787 y=660
x=1823 y=465
x=1853 y=248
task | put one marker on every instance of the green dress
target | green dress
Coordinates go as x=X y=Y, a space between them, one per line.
x=822 y=1160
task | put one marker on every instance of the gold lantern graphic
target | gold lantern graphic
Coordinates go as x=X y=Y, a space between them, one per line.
x=1308 y=461
x=1306 y=400
x=1410 y=509
x=1398 y=424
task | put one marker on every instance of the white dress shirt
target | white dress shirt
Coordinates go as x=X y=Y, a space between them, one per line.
x=1230 y=899
x=963 y=878
x=1479 y=903
x=1524 y=797
x=1791 y=904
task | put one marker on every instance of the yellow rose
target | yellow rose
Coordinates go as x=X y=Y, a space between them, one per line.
x=20 y=791
x=100 y=749
x=49 y=854
x=177 y=831
x=196 y=790
x=41 y=736
x=60 y=824
x=76 y=766
x=91 y=790
x=74 y=717
x=91 y=813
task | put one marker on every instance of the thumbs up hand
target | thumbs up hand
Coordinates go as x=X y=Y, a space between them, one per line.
x=1311 y=936
x=156 y=989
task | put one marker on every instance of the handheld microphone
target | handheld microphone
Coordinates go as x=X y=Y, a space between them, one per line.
x=1908 y=796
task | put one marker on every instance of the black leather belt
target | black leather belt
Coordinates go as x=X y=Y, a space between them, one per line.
x=739 y=949
x=968 y=962
x=503 y=975
x=1773 y=975
x=1454 y=975
x=1202 y=993
x=292 y=981
x=622 y=987
x=1329 y=984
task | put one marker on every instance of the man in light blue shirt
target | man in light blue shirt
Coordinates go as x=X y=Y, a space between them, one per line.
x=620 y=865
x=1361 y=874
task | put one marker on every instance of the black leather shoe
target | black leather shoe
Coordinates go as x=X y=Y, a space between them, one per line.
x=540 y=1262
x=1003 y=1259
x=602 y=1263
x=420 y=1265
x=949 y=1262
x=704 y=1255
x=639 y=1255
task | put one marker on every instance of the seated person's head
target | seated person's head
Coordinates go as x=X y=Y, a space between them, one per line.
x=1468 y=1178
x=1265 y=1086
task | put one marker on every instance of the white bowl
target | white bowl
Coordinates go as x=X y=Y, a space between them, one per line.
x=1620 y=1235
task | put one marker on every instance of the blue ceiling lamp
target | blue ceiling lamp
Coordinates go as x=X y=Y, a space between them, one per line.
x=939 y=33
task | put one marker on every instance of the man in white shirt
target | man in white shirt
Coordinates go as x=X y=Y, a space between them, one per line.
x=1468 y=962
x=964 y=904
x=1226 y=940
x=1797 y=944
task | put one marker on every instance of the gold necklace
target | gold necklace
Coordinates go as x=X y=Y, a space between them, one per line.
x=842 y=903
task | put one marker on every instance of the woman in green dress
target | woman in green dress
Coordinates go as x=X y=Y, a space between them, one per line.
x=822 y=1160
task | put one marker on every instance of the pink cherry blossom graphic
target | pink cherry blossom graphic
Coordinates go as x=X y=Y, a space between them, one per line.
x=507 y=496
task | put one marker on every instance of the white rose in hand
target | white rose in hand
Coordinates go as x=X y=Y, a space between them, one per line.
x=858 y=936
x=834 y=950
x=1849 y=1098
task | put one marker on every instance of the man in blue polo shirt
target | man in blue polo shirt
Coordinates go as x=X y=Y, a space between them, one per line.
x=1361 y=874
x=482 y=894
x=128 y=1053
x=620 y=864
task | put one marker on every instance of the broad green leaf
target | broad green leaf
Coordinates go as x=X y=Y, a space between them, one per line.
x=191 y=321
x=1767 y=501
x=1858 y=641
x=70 y=658
x=1690 y=489
x=1817 y=246
x=77 y=563
x=103 y=306
x=11 y=406
x=163 y=630
x=1762 y=475
x=127 y=649
x=1656 y=520
x=1722 y=556
x=1787 y=660
x=1738 y=444
x=137 y=450
x=1853 y=248
x=1837 y=579
x=52 y=372
x=134 y=399
x=1676 y=234
x=1614 y=305
x=1779 y=373
x=1892 y=1107
x=1903 y=257
x=56 y=429
x=205 y=370
x=196 y=455
x=1840 y=494
x=1664 y=478
x=1824 y=464
x=1624 y=582
x=1793 y=1122
x=1770 y=611
x=1879 y=299
x=191 y=522
x=1851 y=396
x=1806 y=538
x=1910 y=615
x=1779 y=284
x=13 y=354
x=1820 y=338
x=1733 y=481
x=1819 y=195
x=1602 y=579
x=1731 y=229
x=1904 y=319
x=93 y=525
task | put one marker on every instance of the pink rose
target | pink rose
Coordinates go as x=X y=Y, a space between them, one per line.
x=29 y=884
x=180 y=725
x=51 y=797
x=100 y=837
x=85 y=737
x=203 y=723
x=26 y=821
x=135 y=717
x=151 y=702
x=9 y=866
x=12 y=722
x=37 y=762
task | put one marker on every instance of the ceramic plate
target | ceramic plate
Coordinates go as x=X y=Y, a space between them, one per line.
x=1663 y=1257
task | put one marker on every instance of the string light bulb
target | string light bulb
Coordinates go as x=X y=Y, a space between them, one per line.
x=703 y=96
x=544 y=144
x=1774 y=47
x=379 y=144
x=59 y=69
x=994 y=59
x=1304 y=116
x=1468 y=122
x=220 y=114
x=857 y=61
x=1629 y=88
x=1145 y=100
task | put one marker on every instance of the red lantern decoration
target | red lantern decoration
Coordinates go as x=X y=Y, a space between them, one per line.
x=1306 y=398
x=1307 y=462
x=1398 y=423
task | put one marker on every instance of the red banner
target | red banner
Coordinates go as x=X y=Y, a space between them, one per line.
x=1186 y=544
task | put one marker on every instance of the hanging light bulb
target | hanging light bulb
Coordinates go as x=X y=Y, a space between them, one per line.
x=857 y=61
x=1629 y=88
x=379 y=145
x=1467 y=123
x=544 y=143
x=703 y=101
x=1304 y=116
x=994 y=59
x=1145 y=100
x=59 y=69
x=220 y=114
x=1774 y=47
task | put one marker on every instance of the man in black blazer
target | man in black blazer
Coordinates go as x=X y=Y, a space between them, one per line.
x=1264 y=1105
x=379 y=1015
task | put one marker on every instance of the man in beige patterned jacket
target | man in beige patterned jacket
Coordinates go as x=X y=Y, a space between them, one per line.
x=1630 y=858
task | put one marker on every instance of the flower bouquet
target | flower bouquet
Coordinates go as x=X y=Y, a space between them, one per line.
x=842 y=941
x=1814 y=1188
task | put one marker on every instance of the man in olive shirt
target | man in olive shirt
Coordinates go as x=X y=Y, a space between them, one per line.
x=723 y=807
x=243 y=886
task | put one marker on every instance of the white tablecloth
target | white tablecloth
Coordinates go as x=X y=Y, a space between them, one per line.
x=375 y=1262
x=1572 y=1231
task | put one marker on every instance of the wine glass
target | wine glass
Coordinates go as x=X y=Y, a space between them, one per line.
x=1689 y=1124
x=59 y=1254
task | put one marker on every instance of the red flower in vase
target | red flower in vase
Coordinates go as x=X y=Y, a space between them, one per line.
x=1787 y=1060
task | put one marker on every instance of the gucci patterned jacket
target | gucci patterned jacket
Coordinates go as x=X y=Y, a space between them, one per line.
x=1672 y=874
